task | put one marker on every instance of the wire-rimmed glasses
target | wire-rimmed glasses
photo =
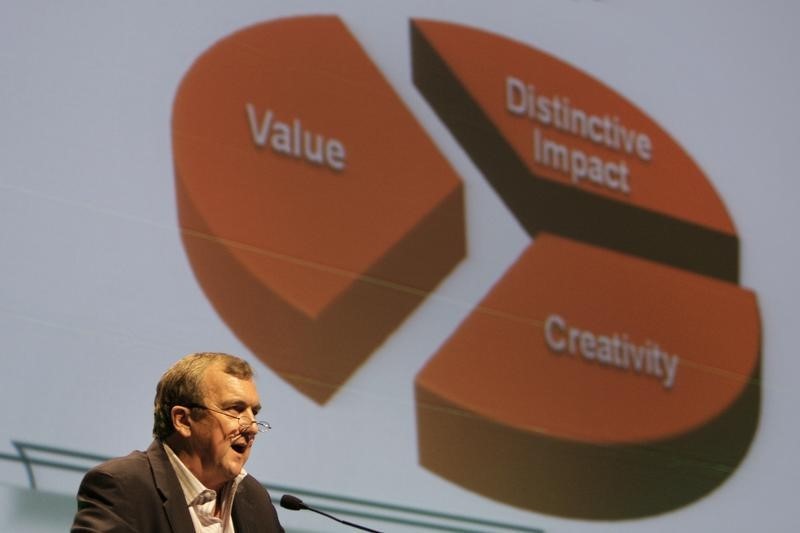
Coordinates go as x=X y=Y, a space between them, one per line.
x=245 y=422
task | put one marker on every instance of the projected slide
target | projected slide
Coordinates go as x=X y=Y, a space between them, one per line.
x=497 y=267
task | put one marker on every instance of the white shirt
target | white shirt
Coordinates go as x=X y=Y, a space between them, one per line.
x=202 y=501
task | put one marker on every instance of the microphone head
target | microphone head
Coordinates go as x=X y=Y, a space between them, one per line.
x=292 y=503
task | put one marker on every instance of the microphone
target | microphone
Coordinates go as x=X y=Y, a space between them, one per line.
x=293 y=503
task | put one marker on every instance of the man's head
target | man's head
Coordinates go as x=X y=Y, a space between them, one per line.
x=204 y=408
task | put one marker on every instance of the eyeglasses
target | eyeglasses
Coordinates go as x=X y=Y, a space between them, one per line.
x=244 y=421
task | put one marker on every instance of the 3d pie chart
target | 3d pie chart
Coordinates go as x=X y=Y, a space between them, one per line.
x=611 y=373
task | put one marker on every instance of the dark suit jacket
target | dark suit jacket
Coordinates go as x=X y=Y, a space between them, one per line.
x=140 y=493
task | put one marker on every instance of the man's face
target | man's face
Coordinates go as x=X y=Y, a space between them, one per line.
x=217 y=442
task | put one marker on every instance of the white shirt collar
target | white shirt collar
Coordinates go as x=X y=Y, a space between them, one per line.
x=198 y=495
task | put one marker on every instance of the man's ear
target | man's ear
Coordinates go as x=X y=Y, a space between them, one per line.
x=181 y=420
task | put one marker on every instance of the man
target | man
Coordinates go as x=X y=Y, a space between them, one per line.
x=191 y=478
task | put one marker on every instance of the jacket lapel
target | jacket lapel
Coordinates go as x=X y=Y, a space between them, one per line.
x=169 y=488
x=242 y=507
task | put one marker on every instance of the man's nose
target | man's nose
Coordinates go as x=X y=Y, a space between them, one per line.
x=248 y=421
x=249 y=429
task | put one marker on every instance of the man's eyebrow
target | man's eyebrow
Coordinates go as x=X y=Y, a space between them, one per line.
x=240 y=404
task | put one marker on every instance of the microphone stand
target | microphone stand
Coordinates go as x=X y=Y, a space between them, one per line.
x=345 y=522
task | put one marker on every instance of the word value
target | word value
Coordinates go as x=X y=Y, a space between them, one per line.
x=292 y=140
